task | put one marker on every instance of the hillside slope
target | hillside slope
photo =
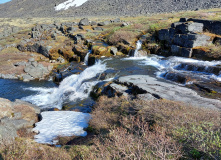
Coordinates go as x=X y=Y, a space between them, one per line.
x=46 y=8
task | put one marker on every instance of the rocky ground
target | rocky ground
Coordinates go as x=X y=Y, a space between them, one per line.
x=58 y=49
x=45 y=8
x=15 y=118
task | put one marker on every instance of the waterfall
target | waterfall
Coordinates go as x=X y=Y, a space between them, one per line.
x=138 y=47
x=86 y=58
x=72 y=88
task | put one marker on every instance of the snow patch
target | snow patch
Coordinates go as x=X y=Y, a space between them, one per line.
x=70 y=3
x=60 y=123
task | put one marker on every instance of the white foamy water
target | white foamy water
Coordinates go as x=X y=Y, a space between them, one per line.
x=138 y=47
x=72 y=88
x=70 y=3
x=171 y=64
x=86 y=58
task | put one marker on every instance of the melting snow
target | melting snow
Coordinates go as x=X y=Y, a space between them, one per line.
x=60 y=123
x=70 y=3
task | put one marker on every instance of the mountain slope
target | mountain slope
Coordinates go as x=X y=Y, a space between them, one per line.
x=46 y=8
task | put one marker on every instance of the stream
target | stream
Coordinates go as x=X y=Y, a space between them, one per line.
x=74 y=90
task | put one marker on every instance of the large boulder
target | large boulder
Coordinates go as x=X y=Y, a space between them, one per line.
x=84 y=22
x=189 y=27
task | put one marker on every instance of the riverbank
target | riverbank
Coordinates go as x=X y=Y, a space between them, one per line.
x=149 y=96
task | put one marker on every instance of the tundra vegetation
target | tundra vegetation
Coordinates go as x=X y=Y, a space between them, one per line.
x=122 y=128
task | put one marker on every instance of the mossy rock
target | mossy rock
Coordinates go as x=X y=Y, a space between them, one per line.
x=68 y=54
x=101 y=51
x=119 y=54
x=54 y=55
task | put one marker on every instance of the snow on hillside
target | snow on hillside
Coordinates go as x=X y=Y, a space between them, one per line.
x=70 y=3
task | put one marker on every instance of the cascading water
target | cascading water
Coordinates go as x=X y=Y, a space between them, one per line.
x=86 y=58
x=138 y=47
x=72 y=88
x=173 y=64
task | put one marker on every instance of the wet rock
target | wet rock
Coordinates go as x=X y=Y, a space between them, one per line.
x=200 y=68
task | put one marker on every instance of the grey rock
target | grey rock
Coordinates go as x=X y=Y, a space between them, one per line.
x=98 y=29
x=36 y=108
x=169 y=91
x=190 y=27
x=114 y=50
x=117 y=20
x=209 y=25
x=7 y=133
x=35 y=34
x=9 y=76
x=93 y=23
x=27 y=78
x=124 y=24
x=21 y=123
x=84 y=22
x=35 y=64
x=17 y=115
x=71 y=29
x=20 y=64
x=61 y=60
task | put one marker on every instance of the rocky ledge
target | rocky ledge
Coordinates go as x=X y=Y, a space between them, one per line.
x=15 y=116
x=149 y=88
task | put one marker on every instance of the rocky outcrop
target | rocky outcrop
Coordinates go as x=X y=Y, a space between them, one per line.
x=209 y=25
x=149 y=88
x=8 y=30
x=183 y=37
x=45 y=8
x=35 y=70
x=15 y=116
x=36 y=47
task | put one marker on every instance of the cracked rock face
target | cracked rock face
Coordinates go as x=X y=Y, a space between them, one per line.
x=154 y=88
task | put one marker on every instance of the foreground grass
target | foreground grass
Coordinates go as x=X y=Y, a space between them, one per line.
x=135 y=129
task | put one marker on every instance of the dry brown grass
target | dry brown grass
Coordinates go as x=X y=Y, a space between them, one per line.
x=28 y=149
x=197 y=130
